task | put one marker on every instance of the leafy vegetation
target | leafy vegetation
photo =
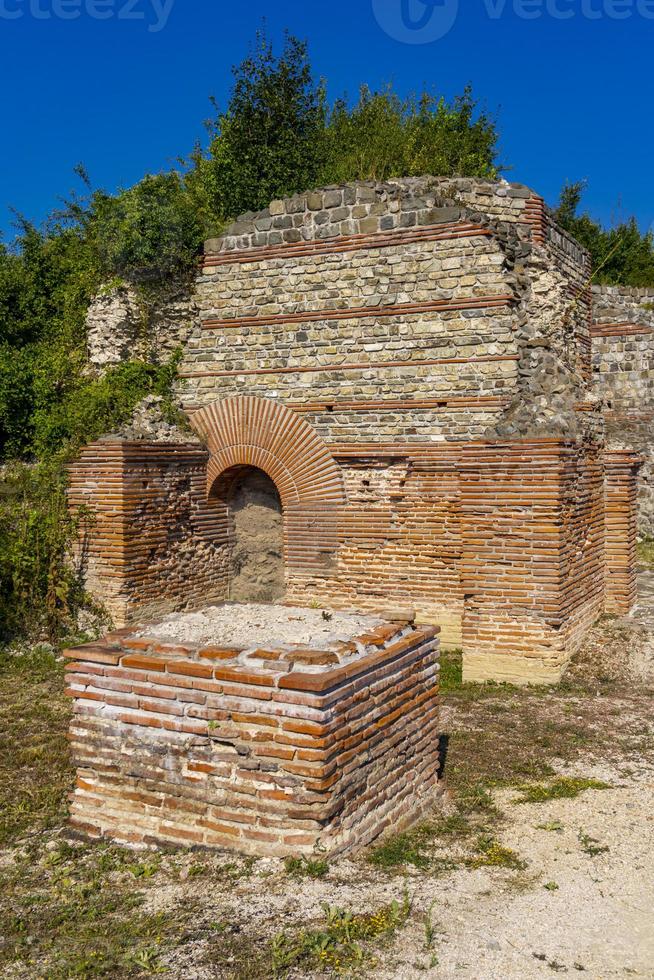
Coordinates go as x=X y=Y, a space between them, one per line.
x=563 y=788
x=304 y=867
x=384 y=136
x=590 y=845
x=621 y=255
x=343 y=943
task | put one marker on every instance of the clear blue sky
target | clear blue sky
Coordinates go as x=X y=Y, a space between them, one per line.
x=573 y=95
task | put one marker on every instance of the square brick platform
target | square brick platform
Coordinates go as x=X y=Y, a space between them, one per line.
x=273 y=750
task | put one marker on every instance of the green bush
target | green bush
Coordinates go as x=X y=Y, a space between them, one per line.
x=621 y=256
x=148 y=233
x=39 y=588
x=384 y=136
x=268 y=143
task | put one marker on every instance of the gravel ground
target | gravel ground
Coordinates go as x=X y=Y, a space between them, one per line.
x=254 y=625
x=595 y=917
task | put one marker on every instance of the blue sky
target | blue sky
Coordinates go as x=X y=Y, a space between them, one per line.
x=570 y=80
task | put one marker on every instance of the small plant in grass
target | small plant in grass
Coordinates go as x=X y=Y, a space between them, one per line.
x=551 y=886
x=338 y=945
x=554 y=826
x=145 y=869
x=197 y=870
x=492 y=854
x=590 y=845
x=451 y=674
x=430 y=929
x=304 y=867
x=563 y=788
x=401 y=849
x=645 y=551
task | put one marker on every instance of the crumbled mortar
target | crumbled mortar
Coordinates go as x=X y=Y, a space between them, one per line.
x=149 y=424
x=249 y=625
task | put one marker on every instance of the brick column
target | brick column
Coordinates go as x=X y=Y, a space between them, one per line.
x=155 y=544
x=621 y=470
x=531 y=569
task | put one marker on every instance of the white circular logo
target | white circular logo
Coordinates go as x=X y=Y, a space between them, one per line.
x=416 y=21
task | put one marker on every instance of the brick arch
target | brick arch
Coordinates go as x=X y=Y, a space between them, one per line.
x=260 y=432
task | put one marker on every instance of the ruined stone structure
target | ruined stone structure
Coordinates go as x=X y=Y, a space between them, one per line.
x=623 y=371
x=279 y=750
x=410 y=364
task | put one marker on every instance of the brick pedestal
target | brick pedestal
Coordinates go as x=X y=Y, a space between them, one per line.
x=272 y=751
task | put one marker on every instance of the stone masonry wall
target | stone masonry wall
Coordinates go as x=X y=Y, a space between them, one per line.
x=421 y=308
x=120 y=326
x=623 y=373
x=266 y=751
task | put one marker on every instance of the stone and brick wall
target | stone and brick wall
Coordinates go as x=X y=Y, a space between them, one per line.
x=621 y=524
x=268 y=751
x=623 y=373
x=409 y=362
x=419 y=309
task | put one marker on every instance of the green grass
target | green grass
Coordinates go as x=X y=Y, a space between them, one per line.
x=303 y=867
x=35 y=770
x=75 y=912
x=342 y=944
x=645 y=551
x=396 y=850
x=451 y=675
x=475 y=813
x=563 y=788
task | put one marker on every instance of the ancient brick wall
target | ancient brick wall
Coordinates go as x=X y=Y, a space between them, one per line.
x=533 y=556
x=380 y=350
x=156 y=542
x=268 y=751
x=621 y=526
x=623 y=375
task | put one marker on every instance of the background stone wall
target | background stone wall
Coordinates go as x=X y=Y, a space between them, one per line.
x=623 y=375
